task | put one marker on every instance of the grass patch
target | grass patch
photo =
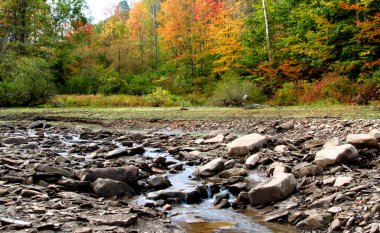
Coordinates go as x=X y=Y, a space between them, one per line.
x=194 y=113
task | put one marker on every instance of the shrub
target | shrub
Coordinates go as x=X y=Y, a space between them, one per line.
x=161 y=97
x=291 y=93
x=233 y=92
x=29 y=83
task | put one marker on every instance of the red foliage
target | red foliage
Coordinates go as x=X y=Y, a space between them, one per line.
x=81 y=30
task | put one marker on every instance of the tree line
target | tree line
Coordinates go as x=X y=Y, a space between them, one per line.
x=202 y=51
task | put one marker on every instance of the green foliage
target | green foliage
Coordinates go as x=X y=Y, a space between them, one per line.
x=29 y=83
x=161 y=97
x=231 y=91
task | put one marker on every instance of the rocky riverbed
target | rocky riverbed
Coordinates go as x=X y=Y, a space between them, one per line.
x=195 y=176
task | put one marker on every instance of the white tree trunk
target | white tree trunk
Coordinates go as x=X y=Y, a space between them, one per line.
x=267 y=29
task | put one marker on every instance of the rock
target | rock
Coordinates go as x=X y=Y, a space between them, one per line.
x=281 y=149
x=215 y=133
x=237 y=188
x=317 y=221
x=342 y=180
x=233 y=172
x=306 y=169
x=335 y=209
x=189 y=195
x=3 y=192
x=159 y=182
x=223 y=204
x=375 y=209
x=274 y=216
x=128 y=174
x=159 y=160
x=229 y=164
x=335 y=154
x=252 y=160
x=278 y=187
x=15 y=141
x=362 y=140
x=244 y=145
x=30 y=193
x=37 y=124
x=314 y=143
x=120 y=220
x=60 y=160
x=324 y=202
x=286 y=126
x=374 y=228
x=335 y=225
x=217 y=139
x=83 y=230
x=57 y=170
x=375 y=133
x=125 y=151
x=14 y=222
x=110 y=188
x=30 y=146
x=211 y=168
x=332 y=142
x=278 y=167
x=167 y=207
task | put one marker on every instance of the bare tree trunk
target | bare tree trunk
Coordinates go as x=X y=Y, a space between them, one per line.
x=156 y=45
x=267 y=29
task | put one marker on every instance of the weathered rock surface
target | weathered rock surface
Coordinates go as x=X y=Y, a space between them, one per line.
x=317 y=221
x=306 y=169
x=278 y=187
x=124 y=151
x=335 y=154
x=127 y=174
x=362 y=140
x=15 y=141
x=252 y=160
x=246 y=144
x=211 y=168
x=110 y=188
x=159 y=182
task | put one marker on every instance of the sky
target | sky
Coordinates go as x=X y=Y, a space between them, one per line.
x=99 y=8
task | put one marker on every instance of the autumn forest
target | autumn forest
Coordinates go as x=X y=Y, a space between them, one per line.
x=191 y=52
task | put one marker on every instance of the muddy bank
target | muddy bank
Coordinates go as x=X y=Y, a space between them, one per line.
x=316 y=174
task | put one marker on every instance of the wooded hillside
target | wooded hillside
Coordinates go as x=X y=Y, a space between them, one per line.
x=196 y=51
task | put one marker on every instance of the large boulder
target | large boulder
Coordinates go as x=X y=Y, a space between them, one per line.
x=335 y=154
x=362 y=140
x=210 y=168
x=244 y=145
x=127 y=174
x=110 y=188
x=15 y=141
x=278 y=187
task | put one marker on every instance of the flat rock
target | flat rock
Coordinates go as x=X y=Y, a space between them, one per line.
x=18 y=223
x=362 y=140
x=314 y=143
x=278 y=187
x=317 y=221
x=110 y=188
x=15 y=141
x=244 y=145
x=127 y=174
x=217 y=139
x=211 y=168
x=120 y=220
x=37 y=124
x=50 y=169
x=233 y=172
x=335 y=154
x=252 y=161
x=342 y=180
x=274 y=216
x=375 y=133
x=281 y=149
x=333 y=142
x=159 y=182
x=125 y=151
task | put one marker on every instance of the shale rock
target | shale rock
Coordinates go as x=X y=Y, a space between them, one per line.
x=244 y=145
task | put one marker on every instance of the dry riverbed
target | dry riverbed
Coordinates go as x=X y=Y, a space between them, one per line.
x=191 y=176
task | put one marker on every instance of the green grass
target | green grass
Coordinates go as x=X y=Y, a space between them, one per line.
x=194 y=113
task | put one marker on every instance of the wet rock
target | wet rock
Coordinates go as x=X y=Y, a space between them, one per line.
x=127 y=174
x=306 y=169
x=274 y=216
x=236 y=188
x=30 y=146
x=229 y=164
x=125 y=151
x=15 y=141
x=233 y=172
x=335 y=154
x=159 y=182
x=252 y=160
x=120 y=220
x=342 y=180
x=217 y=139
x=159 y=160
x=244 y=145
x=317 y=221
x=110 y=188
x=57 y=170
x=211 y=168
x=223 y=204
x=362 y=140
x=278 y=187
